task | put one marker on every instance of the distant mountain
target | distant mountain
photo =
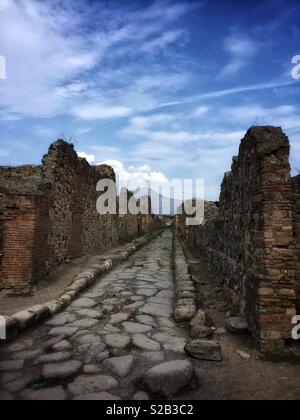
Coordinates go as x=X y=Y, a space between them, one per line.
x=161 y=205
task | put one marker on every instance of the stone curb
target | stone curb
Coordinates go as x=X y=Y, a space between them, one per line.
x=185 y=305
x=28 y=318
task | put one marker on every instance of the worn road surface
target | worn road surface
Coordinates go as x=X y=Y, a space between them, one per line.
x=101 y=346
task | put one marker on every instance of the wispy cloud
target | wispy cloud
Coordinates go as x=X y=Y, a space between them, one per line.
x=227 y=92
x=100 y=112
x=178 y=37
x=149 y=128
x=286 y=116
x=59 y=52
x=241 y=50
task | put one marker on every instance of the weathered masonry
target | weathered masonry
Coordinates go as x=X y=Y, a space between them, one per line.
x=251 y=238
x=48 y=215
x=296 y=196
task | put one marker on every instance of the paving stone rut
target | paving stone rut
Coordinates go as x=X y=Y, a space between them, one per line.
x=109 y=343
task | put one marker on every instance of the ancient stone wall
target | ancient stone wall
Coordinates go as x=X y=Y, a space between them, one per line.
x=128 y=224
x=250 y=242
x=76 y=227
x=48 y=215
x=296 y=196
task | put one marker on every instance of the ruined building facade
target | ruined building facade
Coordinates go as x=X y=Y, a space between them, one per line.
x=251 y=239
x=48 y=215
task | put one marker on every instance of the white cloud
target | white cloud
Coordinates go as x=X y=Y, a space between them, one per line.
x=227 y=92
x=100 y=112
x=286 y=116
x=143 y=168
x=55 y=64
x=166 y=39
x=136 y=178
x=200 y=111
x=4 y=4
x=241 y=49
x=149 y=128
x=89 y=158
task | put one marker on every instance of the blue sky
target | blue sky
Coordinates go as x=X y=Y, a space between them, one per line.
x=160 y=89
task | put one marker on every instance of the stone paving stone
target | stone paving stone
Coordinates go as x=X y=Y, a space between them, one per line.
x=117 y=318
x=27 y=355
x=53 y=358
x=5 y=396
x=102 y=356
x=88 y=339
x=7 y=365
x=117 y=341
x=61 y=319
x=61 y=370
x=10 y=377
x=145 y=343
x=146 y=319
x=171 y=343
x=20 y=345
x=66 y=331
x=85 y=323
x=109 y=329
x=126 y=319
x=163 y=322
x=83 y=385
x=89 y=313
x=135 y=305
x=161 y=301
x=119 y=366
x=47 y=394
x=169 y=378
x=83 y=303
x=95 y=295
x=157 y=310
x=134 y=328
x=165 y=294
x=100 y=396
x=62 y=346
x=26 y=380
x=91 y=369
x=137 y=298
x=154 y=356
x=140 y=396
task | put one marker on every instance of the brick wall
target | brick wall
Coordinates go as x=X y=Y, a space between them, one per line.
x=19 y=218
x=48 y=215
x=249 y=242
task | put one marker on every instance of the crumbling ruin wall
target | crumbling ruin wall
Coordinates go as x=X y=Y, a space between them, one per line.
x=296 y=196
x=24 y=217
x=48 y=215
x=128 y=225
x=250 y=243
x=76 y=227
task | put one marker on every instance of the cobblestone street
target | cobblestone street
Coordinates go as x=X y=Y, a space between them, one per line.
x=106 y=343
